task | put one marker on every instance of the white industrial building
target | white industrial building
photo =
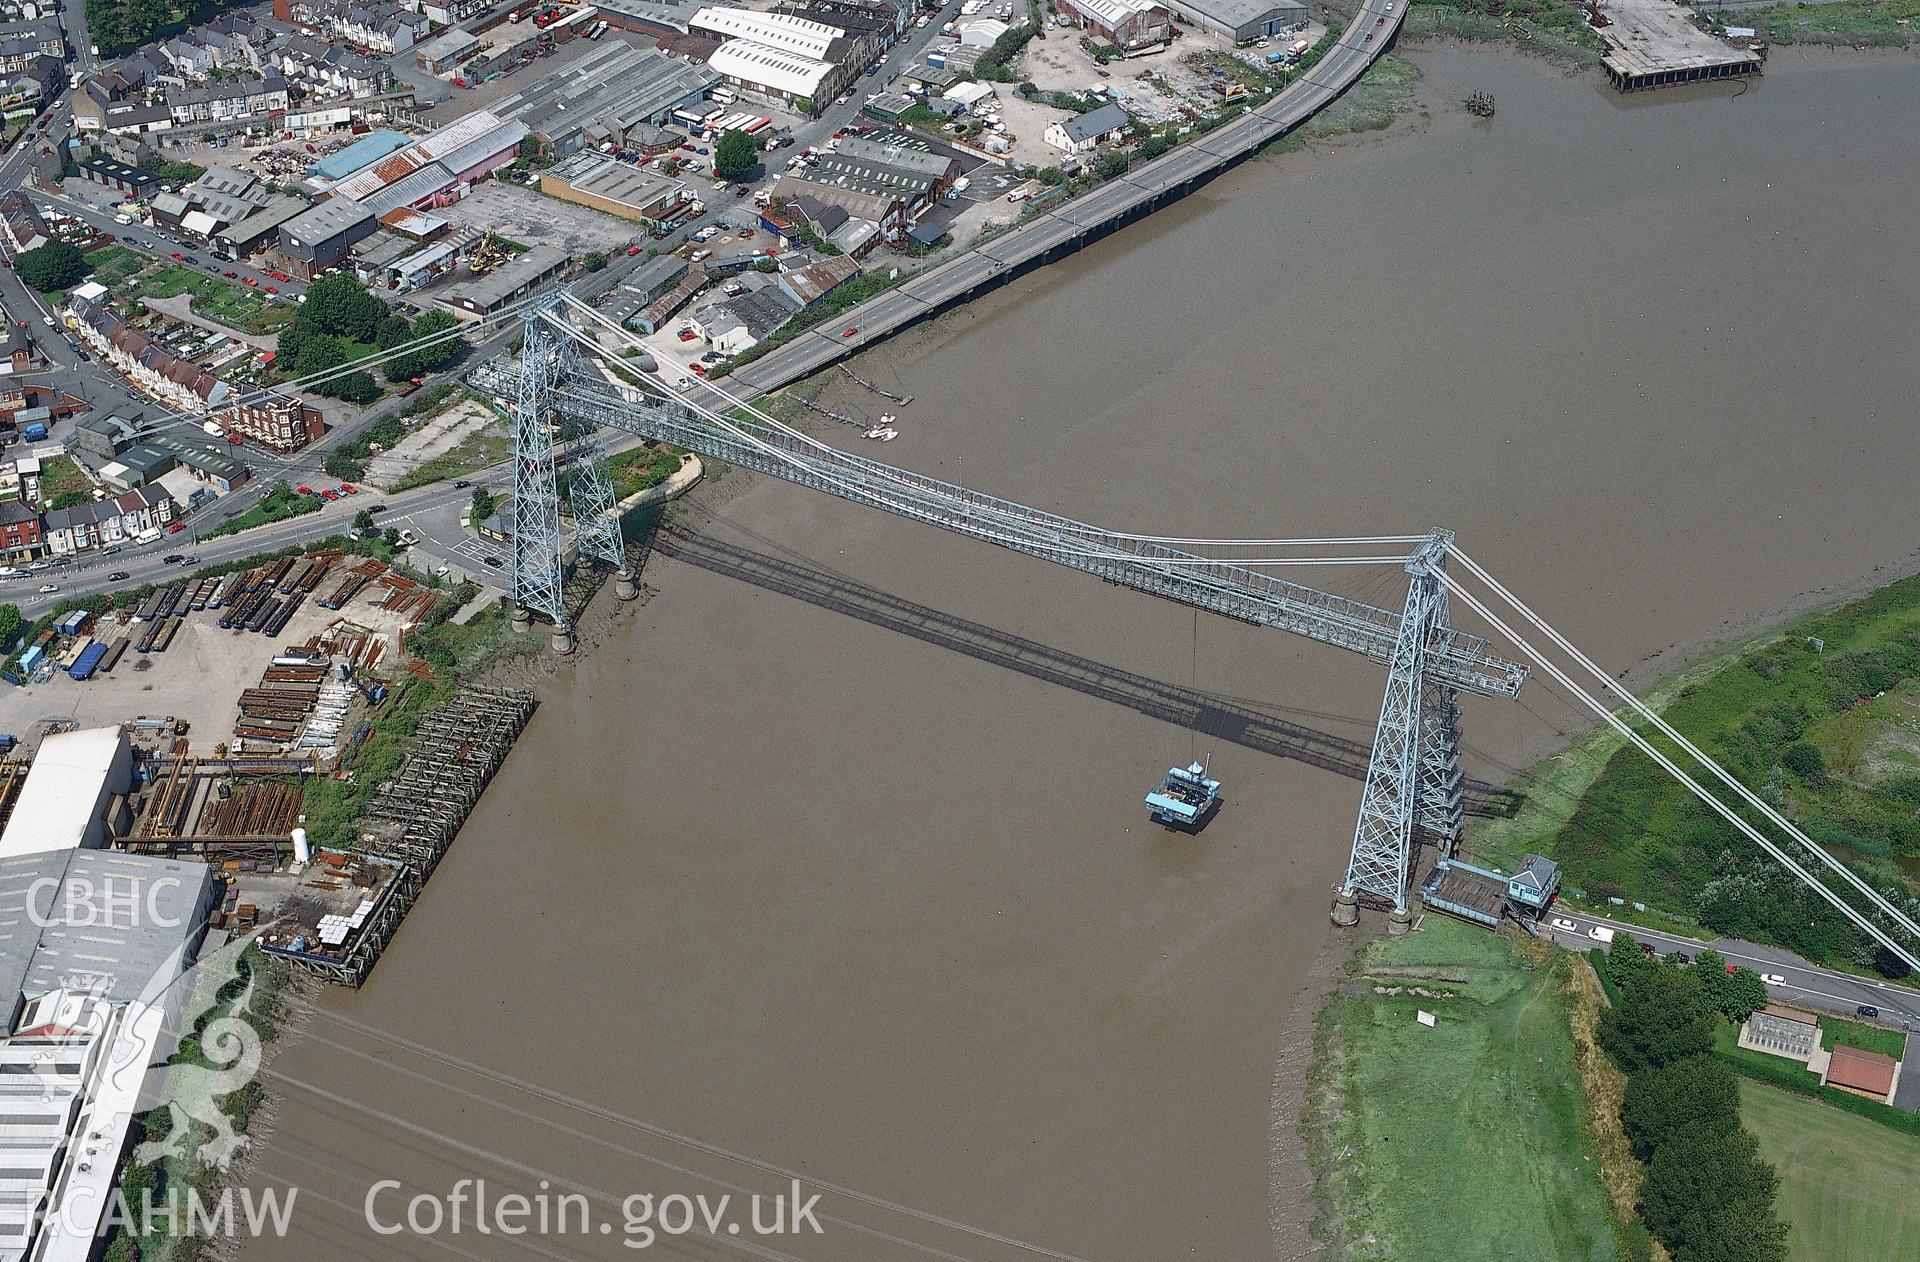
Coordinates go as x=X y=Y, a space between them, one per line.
x=70 y=792
x=1243 y=21
x=771 y=73
x=92 y=947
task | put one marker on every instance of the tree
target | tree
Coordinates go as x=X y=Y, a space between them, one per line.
x=1695 y=1094
x=1806 y=762
x=363 y=520
x=10 y=623
x=391 y=536
x=355 y=387
x=392 y=331
x=1742 y=995
x=53 y=266
x=341 y=305
x=71 y=499
x=482 y=504
x=438 y=356
x=1625 y=960
x=1663 y=1017
x=1710 y=970
x=342 y=464
x=1709 y=1197
x=734 y=157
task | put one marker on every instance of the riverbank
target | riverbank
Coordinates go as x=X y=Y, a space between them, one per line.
x=1822 y=715
x=1417 y=1131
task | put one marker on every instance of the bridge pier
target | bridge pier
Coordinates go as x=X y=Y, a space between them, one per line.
x=562 y=639
x=1399 y=920
x=1346 y=908
x=623 y=585
x=522 y=620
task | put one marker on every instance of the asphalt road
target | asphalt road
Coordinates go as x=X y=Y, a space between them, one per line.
x=1803 y=984
x=1364 y=39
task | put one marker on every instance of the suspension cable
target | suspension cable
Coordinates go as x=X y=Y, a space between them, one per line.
x=1674 y=735
x=1693 y=786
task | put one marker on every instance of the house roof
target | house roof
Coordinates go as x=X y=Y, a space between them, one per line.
x=1095 y=123
x=1862 y=1071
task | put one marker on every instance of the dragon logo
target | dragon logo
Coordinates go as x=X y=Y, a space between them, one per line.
x=202 y=1046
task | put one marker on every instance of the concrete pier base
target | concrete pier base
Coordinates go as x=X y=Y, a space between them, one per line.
x=1346 y=908
x=1399 y=920
x=624 y=587
x=562 y=640
x=522 y=621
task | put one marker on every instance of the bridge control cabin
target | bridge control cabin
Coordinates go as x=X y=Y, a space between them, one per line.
x=1485 y=896
x=1186 y=799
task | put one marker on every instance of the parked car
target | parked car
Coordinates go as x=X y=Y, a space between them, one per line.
x=712 y=357
x=492 y=560
x=1564 y=925
x=254 y=281
x=272 y=289
x=348 y=488
x=688 y=335
x=1773 y=979
x=305 y=490
x=230 y=274
x=176 y=256
x=329 y=494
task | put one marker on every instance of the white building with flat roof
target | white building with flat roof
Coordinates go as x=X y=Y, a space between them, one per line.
x=63 y=805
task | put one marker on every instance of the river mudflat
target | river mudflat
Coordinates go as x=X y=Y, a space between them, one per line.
x=882 y=908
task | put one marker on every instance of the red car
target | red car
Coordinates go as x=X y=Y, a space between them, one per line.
x=254 y=281
x=698 y=370
x=306 y=490
x=176 y=527
x=688 y=335
x=348 y=488
x=632 y=250
x=850 y=330
x=329 y=494
x=230 y=274
x=273 y=289
x=176 y=255
x=236 y=440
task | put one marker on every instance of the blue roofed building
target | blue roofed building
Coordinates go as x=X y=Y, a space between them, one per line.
x=363 y=152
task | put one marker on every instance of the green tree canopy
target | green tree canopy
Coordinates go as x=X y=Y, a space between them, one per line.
x=10 y=624
x=341 y=305
x=1661 y=1018
x=1709 y=1197
x=1625 y=960
x=55 y=265
x=735 y=156
x=1695 y=1094
x=1742 y=995
x=438 y=356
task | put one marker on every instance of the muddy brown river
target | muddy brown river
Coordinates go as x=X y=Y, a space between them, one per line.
x=861 y=886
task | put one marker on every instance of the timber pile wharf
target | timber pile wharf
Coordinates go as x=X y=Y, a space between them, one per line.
x=1053 y=235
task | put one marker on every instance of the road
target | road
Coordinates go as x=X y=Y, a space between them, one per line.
x=1805 y=984
x=1148 y=184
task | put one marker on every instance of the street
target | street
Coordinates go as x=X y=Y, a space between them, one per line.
x=1838 y=993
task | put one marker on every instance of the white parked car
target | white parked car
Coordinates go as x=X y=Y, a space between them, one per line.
x=1773 y=979
x=699 y=256
x=1564 y=925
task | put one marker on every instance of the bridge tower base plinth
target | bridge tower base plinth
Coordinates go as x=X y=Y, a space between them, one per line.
x=562 y=639
x=623 y=585
x=1346 y=908
x=522 y=620
x=1399 y=920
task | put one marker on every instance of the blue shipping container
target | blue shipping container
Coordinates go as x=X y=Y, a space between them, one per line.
x=88 y=659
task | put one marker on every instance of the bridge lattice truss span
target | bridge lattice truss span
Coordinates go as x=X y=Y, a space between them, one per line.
x=560 y=394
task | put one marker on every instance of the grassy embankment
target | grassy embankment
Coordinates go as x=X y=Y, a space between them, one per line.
x=1849 y=1189
x=1417 y=1134
x=1886 y=24
x=268 y=1007
x=1554 y=29
x=1822 y=719
x=280 y=503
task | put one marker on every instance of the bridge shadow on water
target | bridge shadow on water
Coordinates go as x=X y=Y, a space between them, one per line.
x=1267 y=730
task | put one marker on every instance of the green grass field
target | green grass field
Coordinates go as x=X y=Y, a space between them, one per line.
x=1849 y=1189
x=1868 y=1038
x=1418 y=1133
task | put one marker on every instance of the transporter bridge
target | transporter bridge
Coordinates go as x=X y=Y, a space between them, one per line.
x=563 y=388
